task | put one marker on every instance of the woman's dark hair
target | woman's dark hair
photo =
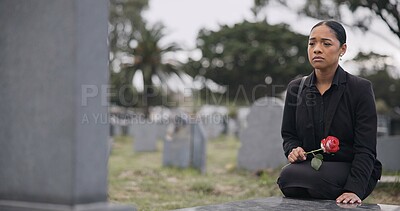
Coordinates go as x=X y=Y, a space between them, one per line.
x=337 y=28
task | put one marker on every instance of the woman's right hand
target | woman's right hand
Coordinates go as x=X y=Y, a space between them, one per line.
x=296 y=155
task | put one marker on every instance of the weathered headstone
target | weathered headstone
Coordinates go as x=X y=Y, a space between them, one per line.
x=233 y=127
x=261 y=142
x=110 y=145
x=53 y=62
x=115 y=129
x=161 y=130
x=242 y=114
x=213 y=126
x=212 y=118
x=199 y=143
x=388 y=152
x=131 y=129
x=186 y=147
x=177 y=148
x=145 y=137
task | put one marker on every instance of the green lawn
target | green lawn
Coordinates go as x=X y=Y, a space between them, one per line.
x=140 y=179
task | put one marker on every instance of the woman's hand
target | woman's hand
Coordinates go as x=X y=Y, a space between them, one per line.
x=348 y=197
x=297 y=154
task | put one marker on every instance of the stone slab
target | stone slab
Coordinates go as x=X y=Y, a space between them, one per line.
x=261 y=142
x=177 y=151
x=186 y=148
x=199 y=148
x=387 y=148
x=115 y=130
x=145 y=137
x=29 y=206
x=290 y=204
x=54 y=74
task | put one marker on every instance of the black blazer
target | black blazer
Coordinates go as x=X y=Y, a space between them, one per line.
x=351 y=117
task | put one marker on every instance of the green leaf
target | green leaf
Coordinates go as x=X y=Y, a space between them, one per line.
x=316 y=163
x=319 y=156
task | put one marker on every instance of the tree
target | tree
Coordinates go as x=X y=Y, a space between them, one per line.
x=386 y=86
x=148 y=58
x=252 y=59
x=387 y=10
x=124 y=19
x=135 y=47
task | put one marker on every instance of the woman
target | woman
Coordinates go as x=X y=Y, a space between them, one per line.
x=332 y=102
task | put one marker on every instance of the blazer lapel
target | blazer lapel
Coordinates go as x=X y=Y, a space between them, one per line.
x=310 y=116
x=335 y=99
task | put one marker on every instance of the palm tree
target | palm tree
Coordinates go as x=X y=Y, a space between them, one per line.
x=147 y=57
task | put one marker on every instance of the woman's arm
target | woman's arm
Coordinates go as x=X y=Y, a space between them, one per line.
x=365 y=132
x=288 y=129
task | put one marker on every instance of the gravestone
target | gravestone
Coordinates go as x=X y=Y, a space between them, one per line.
x=110 y=143
x=161 y=130
x=54 y=66
x=131 y=129
x=186 y=147
x=213 y=125
x=145 y=137
x=199 y=147
x=387 y=148
x=115 y=130
x=177 y=148
x=233 y=127
x=242 y=114
x=212 y=119
x=289 y=204
x=261 y=142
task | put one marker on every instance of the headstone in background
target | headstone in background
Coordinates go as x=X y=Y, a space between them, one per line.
x=212 y=118
x=131 y=130
x=186 y=147
x=213 y=127
x=199 y=143
x=110 y=145
x=54 y=64
x=241 y=119
x=145 y=137
x=177 y=148
x=115 y=130
x=388 y=152
x=161 y=130
x=261 y=142
x=233 y=127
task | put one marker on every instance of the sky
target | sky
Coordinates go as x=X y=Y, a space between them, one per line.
x=184 y=18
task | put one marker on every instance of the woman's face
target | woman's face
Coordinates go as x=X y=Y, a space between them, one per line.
x=324 y=48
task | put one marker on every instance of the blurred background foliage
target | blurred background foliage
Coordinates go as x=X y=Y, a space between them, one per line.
x=251 y=59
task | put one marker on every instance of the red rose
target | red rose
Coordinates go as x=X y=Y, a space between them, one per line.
x=330 y=144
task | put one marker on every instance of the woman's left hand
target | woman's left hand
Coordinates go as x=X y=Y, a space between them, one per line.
x=348 y=197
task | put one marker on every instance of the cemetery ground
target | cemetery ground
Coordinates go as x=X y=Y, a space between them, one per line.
x=139 y=179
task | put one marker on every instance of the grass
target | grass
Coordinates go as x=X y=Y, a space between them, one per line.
x=139 y=179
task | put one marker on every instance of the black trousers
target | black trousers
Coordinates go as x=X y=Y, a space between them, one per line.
x=300 y=180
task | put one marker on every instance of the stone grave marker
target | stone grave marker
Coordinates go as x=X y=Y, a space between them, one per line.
x=53 y=74
x=199 y=143
x=387 y=148
x=145 y=137
x=185 y=147
x=261 y=142
x=177 y=148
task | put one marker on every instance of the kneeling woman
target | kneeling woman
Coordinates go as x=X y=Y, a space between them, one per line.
x=335 y=103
